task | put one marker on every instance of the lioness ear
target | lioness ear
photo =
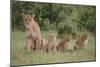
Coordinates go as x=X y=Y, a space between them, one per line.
x=33 y=16
x=23 y=14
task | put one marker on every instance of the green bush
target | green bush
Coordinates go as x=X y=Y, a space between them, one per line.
x=66 y=19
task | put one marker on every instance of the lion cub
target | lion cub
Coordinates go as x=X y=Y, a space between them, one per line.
x=82 y=42
x=63 y=44
x=52 y=42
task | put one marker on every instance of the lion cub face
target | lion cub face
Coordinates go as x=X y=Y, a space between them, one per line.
x=52 y=42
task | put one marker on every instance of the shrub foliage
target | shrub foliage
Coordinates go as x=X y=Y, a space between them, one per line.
x=64 y=18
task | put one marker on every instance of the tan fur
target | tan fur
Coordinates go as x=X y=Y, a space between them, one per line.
x=43 y=44
x=33 y=32
x=82 y=42
x=63 y=44
x=52 y=42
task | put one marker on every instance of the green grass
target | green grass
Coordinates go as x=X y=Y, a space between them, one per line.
x=20 y=56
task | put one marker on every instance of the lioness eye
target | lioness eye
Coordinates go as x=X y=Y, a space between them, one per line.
x=27 y=23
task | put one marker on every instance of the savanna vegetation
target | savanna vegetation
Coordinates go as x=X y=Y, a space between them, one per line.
x=64 y=19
